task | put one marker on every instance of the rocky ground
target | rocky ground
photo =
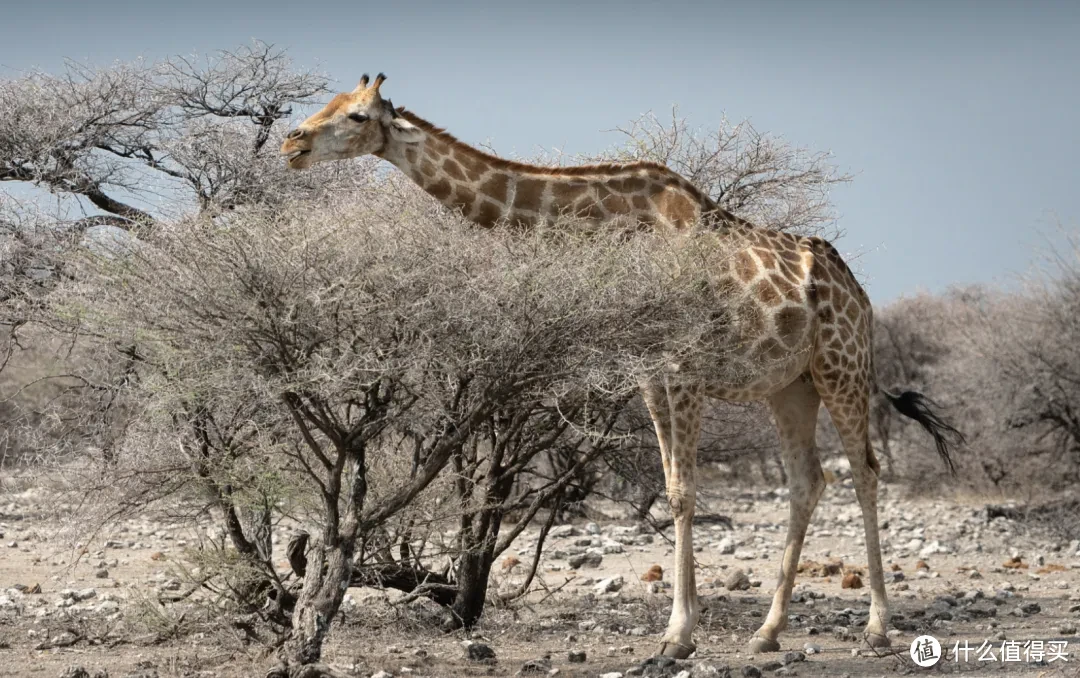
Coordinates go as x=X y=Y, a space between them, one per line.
x=601 y=600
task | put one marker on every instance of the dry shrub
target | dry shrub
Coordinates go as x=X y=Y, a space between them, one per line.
x=327 y=361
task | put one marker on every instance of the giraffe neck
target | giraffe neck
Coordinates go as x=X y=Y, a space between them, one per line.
x=487 y=189
x=460 y=177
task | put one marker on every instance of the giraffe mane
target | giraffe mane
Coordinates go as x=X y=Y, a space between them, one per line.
x=573 y=171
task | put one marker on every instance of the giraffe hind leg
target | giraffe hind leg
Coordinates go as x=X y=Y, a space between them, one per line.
x=848 y=406
x=794 y=411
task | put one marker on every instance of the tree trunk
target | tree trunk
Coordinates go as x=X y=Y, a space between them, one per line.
x=647 y=496
x=474 y=570
x=329 y=569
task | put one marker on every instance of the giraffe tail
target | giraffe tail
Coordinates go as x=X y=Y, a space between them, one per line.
x=922 y=409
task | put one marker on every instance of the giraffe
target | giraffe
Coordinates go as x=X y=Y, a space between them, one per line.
x=804 y=315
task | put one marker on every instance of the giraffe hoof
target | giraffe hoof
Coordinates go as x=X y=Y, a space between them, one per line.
x=876 y=640
x=670 y=648
x=759 y=645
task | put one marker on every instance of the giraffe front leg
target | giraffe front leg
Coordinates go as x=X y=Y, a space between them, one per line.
x=678 y=639
x=794 y=410
x=676 y=414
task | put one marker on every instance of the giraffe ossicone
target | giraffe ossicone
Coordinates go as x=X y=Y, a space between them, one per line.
x=804 y=316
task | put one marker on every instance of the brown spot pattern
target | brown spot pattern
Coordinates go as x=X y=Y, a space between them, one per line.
x=529 y=193
x=453 y=170
x=488 y=214
x=745 y=266
x=496 y=188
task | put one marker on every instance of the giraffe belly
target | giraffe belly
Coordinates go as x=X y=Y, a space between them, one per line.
x=770 y=379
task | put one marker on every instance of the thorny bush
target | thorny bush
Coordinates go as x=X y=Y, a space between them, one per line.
x=274 y=358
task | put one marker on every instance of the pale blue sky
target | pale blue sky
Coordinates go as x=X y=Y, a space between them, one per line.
x=958 y=118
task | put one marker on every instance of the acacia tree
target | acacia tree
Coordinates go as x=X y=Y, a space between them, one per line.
x=129 y=148
x=118 y=139
x=301 y=347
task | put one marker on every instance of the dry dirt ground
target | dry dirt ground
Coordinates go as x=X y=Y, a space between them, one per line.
x=102 y=609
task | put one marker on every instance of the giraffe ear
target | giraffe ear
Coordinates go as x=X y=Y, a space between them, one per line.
x=404 y=131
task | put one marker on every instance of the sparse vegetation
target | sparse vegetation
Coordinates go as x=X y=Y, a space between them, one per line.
x=331 y=360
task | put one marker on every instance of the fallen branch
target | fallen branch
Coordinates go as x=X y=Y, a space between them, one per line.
x=66 y=639
x=555 y=590
x=701 y=519
x=408 y=579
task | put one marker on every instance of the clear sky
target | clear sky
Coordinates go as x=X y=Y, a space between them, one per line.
x=958 y=118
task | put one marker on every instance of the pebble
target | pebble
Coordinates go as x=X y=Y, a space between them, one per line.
x=792 y=658
x=737 y=581
x=589 y=559
x=851 y=581
x=535 y=666
x=478 y=652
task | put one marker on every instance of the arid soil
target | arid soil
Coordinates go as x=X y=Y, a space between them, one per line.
x=992 y=584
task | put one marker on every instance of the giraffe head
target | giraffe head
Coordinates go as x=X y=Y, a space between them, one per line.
x=353 y=124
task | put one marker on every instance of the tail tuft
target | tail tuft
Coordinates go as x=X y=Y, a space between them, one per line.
x=922 y=409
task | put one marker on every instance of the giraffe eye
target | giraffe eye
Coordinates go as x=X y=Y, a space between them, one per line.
x=358 y=117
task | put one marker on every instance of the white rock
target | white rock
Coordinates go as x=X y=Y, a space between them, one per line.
x=932 y=548
x=726 y=546
x=609 y=585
